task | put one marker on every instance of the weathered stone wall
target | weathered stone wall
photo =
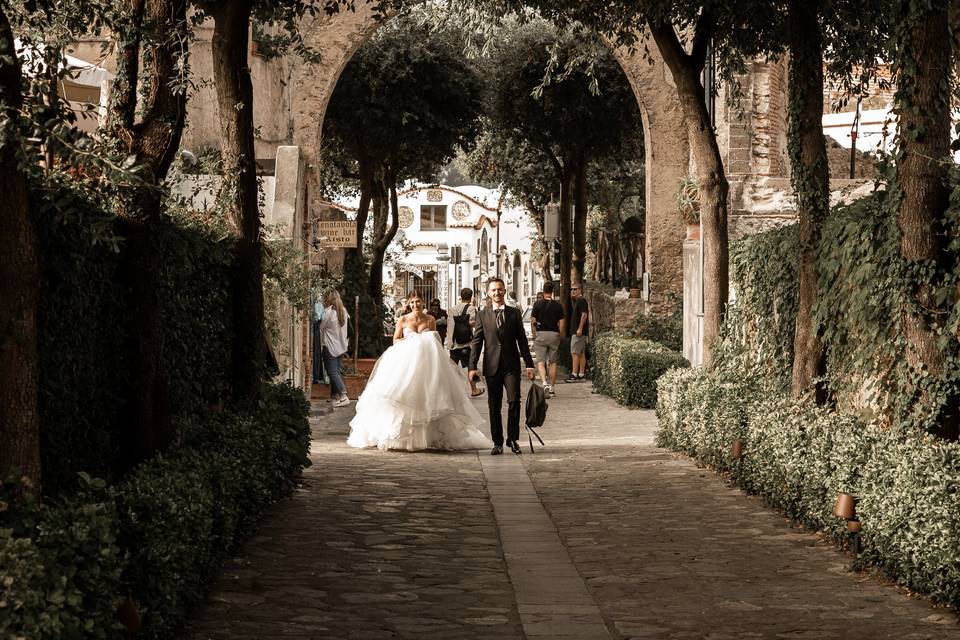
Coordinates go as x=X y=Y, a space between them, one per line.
x=612 y=314
x=271 y=100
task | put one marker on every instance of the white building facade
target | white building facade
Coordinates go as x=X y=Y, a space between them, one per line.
x=458 y=237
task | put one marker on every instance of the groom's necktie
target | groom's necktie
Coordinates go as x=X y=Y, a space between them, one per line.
x=499 y=320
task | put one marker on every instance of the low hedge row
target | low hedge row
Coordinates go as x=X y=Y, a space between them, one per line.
x=158 y=537
x=798 y=456
x=626 y=368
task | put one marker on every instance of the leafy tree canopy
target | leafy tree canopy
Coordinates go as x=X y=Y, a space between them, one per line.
x=407 y=100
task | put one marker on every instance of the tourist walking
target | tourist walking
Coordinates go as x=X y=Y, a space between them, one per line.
x=547 y=324
x=579 y=333
x=333 y=334
x=501 y=337
x=416 y=397
x=459 y=337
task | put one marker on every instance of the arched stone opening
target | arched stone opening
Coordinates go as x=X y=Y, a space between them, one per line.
x=338 y=37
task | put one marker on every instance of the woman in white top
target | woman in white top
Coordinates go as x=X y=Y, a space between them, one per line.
x=333 y=332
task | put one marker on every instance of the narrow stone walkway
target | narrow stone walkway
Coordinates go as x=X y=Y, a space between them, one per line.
x=552 y=598
x=598 y=535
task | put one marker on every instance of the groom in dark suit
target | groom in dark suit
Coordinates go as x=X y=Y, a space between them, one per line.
x=501 y=336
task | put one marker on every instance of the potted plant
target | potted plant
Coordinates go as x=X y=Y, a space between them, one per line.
x=688 y=205
x=633 y=284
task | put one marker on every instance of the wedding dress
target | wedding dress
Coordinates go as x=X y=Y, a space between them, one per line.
x=416 y=398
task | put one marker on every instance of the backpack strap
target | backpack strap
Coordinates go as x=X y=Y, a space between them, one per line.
x=531 y=430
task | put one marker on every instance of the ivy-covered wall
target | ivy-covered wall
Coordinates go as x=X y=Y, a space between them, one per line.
x=864 y=286
x=84 y=315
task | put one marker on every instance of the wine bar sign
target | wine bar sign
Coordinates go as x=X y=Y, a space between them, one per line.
x=337 y=233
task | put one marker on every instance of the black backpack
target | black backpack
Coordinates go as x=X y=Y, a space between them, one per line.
x=536 y=410
x=461 y=327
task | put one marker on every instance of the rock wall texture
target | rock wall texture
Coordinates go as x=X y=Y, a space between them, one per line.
x=613 y=314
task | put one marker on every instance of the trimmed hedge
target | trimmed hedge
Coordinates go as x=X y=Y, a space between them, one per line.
x=159 y=536
x=83 y=332
x=798 y=456
x=627 y=369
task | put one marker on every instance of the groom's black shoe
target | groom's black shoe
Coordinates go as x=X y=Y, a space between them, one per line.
x=497 y=450
x=515 y=447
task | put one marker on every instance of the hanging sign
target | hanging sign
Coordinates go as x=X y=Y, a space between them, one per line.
x=337 y=233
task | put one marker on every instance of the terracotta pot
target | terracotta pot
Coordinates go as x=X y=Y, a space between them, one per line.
x=355 y=385
x=853 y=526
x=634 y=293
x=364 y=366
x=693 y=232
x=845 y=506
x=736 y=449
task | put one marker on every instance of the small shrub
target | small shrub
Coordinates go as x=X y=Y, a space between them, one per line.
x=627 y=369
x=61 y=567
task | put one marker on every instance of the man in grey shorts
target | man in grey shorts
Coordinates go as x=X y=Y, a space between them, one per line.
x=579 y=332
x=547 y=324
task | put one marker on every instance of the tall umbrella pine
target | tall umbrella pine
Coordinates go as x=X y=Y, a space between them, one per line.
x=381 y=129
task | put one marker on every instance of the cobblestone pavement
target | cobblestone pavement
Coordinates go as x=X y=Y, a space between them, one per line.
x=671 y=551
x=639 y=543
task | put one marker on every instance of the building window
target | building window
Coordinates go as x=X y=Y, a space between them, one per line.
x=433 y=217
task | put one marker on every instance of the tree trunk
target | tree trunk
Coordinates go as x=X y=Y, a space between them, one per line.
x=566 y=237
x=19 y=286
x=383 y=239
x=922 y=103
x=580 y=219
x=154 y=141
x=811 y=183
x=714 y=189
x=239 y=193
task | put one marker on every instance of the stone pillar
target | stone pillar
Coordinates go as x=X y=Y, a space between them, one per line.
x=667 y=159
x=692 y=302
x=287 y=217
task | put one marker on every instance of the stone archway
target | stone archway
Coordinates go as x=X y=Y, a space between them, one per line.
x=338 y=37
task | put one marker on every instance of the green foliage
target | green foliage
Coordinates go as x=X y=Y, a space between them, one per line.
x=84 y=366
x=665 y=330
x=798 y=456
x=420 y=102
x=759 y=329
x=587 y=110
x=688 y=200
x=866 y=288
x=80 y=341
x=160 y=536
x=627 y=369
x=61 y=565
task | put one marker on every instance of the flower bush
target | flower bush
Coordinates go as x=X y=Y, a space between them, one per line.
x=798 y=456
x=626 y=368
x=158 y=537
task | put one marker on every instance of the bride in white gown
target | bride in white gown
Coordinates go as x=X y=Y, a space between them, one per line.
x=416 y=397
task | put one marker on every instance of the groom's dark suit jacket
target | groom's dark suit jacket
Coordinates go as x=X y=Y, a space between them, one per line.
x=502 y=348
